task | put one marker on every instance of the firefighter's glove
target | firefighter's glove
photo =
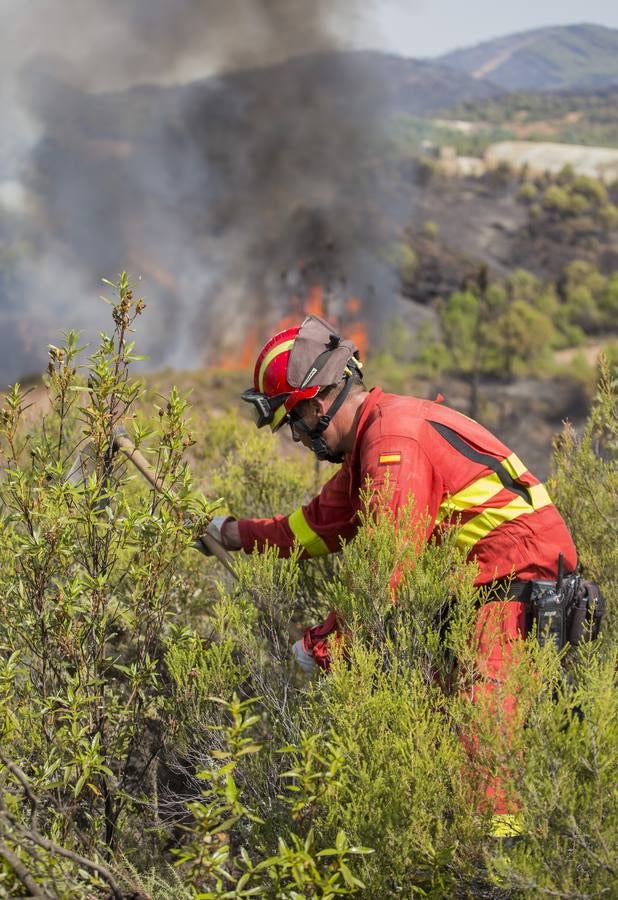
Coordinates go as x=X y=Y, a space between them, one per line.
x=215 y=529
x=312 y=650
x=303 y=657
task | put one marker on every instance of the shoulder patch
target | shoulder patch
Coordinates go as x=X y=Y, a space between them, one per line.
x=389 y=458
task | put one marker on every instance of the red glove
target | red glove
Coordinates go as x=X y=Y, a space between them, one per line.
x=315 y=640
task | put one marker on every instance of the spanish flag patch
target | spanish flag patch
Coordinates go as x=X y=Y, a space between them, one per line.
x=389 y=458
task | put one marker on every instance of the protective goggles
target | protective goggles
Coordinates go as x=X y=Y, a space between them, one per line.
x=267 y=410
x=299 y=428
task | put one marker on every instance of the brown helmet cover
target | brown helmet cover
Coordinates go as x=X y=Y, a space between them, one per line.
x=315 y=336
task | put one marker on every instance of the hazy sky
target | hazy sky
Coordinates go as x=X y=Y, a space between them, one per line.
x=431 y=27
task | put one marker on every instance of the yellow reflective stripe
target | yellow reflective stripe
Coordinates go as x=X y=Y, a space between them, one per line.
x=280 y=348
x=305 y=535
x=478 y=493
x=480 y=526
x=278 y=416
x=539 y=496
x=514 y=466
x=481 y=491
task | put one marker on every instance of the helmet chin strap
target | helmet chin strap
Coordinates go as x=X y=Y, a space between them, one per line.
x=315 y=435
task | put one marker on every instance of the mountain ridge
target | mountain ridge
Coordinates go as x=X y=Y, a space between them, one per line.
x=552 y=58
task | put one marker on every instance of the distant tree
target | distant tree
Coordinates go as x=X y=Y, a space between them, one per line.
x=566 y=175
x=523 y=334
x=581 y=273
x=431 y=229
x=608 y=300
x=582 y=309
x=591 y=188
x=535 y=214
x=578 y=204
x=459 y=318
x=523 y=285
x=402 y=257
x=608 y=213
x=467 y=321
x=527 y=192
x=556 y=199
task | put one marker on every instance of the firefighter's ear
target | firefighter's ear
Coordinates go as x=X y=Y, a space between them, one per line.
x=318 y=405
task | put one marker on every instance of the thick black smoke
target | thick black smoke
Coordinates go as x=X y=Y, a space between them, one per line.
x=227 y=194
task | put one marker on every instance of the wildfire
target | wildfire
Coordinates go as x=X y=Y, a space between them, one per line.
x=349 y=320
x=246 y=358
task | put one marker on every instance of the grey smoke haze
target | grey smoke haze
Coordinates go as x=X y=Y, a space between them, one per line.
x=110 y=44
x=217 y=193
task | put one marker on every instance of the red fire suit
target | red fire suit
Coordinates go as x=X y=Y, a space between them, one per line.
x=459 y=474
x=443 y=459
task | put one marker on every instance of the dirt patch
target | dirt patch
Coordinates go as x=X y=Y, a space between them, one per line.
x=590 y=353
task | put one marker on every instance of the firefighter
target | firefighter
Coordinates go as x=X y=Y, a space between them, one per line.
x=458 y=473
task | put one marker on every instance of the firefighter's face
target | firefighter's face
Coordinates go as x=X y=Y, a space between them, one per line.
x=308 y=413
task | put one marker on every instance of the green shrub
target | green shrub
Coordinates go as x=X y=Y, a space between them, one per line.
x=527 y=192
x=151 y=716
x=402 y=257
x=250 y=473
x=431 y=229
x=585 y=487
x=556 y=199
x=609 y=215
x=89 y=580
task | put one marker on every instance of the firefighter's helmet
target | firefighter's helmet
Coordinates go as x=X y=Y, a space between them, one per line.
x=294 y=365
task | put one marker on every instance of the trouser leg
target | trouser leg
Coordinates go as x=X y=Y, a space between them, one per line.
x=498 y=643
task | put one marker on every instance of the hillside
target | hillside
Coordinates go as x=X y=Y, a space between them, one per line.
x=572 y=56
x=210 y=191
x=578 y=117
x=232 y=195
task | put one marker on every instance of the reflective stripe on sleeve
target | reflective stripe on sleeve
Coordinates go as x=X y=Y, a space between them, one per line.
x=305 y=535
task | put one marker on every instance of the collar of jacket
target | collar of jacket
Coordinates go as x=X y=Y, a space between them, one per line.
x=366 y=414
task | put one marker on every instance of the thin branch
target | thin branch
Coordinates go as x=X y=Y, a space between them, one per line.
x=21 y=777
x=32 y=835
x=22 y=872
x=52 y=847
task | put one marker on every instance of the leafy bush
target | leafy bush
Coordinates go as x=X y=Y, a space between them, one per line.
x=402 y=258
x=157 y=740
x=585 y=486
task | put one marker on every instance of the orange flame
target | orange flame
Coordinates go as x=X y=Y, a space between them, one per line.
x=350 y=322
x=315 y=302
x=248 y=353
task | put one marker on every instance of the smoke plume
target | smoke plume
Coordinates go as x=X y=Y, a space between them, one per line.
x=219 y=151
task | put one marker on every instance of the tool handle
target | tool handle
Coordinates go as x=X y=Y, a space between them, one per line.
x=139 y=461
x=205 y=543
x=210 y=546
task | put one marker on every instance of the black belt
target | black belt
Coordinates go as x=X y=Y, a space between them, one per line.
x=510 y=589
